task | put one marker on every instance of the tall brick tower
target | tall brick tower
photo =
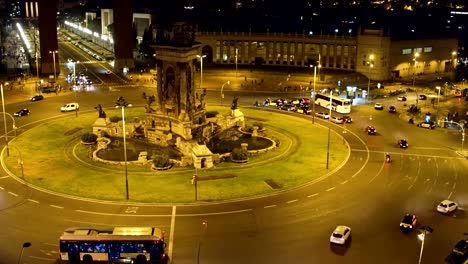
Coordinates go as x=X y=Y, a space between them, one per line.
x=48 y=37
x=123 y=34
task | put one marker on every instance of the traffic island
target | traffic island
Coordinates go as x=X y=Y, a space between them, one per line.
x=67 y=168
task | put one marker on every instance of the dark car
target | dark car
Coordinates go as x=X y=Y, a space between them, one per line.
x=408 y=222
x=304 y=109
x=461 y=248
x=428 y=125
x=287 y=107
x=49 y=90
x=37 y=98
x=23 y=112
x=392 y=109
x=401 y=98
x=422 y=97
x=403 y=143
x=371 y=130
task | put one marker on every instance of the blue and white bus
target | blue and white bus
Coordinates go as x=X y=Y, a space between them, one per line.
x=112 y=245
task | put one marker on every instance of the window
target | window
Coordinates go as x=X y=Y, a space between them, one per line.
x=427 y=49
x=418 y=50
x=406 y=51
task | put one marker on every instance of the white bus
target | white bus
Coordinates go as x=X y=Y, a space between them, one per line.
x=112 y=245
x=340 y=105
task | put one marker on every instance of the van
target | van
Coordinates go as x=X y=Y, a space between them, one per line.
x=49 y=90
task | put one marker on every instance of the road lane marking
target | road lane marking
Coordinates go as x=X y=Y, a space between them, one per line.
x=330 y=189
x=269 y=206
x=1 y=188
x=344 y=182
x=312 y=195
x=171 y=233
x=56 y=206
x=450 y=195
x=31 y=200
x=12 y=193
x=292 y=201
x=4 y=177
x=149 y=215
x=454 y=185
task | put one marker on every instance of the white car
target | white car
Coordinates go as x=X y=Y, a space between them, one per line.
x=337 y=120
x=70 y=107
x=322 y=115
x=340 y=235
x=378 y=106
x=447 y=206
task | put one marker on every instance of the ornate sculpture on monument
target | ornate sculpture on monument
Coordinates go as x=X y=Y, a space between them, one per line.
x=102 y=114
x=234 y=103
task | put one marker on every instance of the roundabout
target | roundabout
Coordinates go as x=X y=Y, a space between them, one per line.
x=58 y=163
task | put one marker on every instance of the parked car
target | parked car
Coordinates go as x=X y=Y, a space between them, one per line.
x=403 y=143
x=70 y=107
x=461 y=248
x=22 y=112
x=392 y=109
x=401 y=98
x=49 y=89
x=322 y=115
x=408 y=222
x=37 y=98
x=337 y=120
x=304 y=109
x=379 y=106
x=429 y=125
x=288 y=107
x=446 y=207
x=422 y=97
x=371 y=130
x=340 y=235
x=348 y=119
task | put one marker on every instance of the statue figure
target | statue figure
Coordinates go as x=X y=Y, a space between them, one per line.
x=102 y=114
x=234 y=103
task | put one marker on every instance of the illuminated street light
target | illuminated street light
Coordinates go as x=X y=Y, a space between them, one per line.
x=53 y=57
x=121 y=103
x=415 y=59
x=204 y=227
x=201 y=69
x=370 y=63
x=222 y=88
x=329 y=120
x=313 y=97
x=25 y=245
x=4 y=121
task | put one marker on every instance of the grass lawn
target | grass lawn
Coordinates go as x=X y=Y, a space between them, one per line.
x=54 y=159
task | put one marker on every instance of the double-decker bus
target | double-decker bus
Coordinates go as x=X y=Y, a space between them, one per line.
x=112 y=245
x=338 y=104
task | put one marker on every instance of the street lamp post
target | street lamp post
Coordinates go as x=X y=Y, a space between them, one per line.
x=25 y=245
x=204 y=227
x=222 y=88
x=462 y=127
x=425 y=230
x=313 y=97
x=4 y=121
x=329 y=120
x=415 y=59
x=370 y=63
x=55 y=70
x=12 y=119
x=438 y=96
x=201 y=69
x=122 y=104
x=237 y=50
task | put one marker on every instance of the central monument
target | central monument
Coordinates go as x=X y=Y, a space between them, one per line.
x=176 y=97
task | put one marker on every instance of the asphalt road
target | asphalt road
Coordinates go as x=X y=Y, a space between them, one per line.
x=366 y=194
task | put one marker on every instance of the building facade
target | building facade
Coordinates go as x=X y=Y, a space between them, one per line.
x=371 y=53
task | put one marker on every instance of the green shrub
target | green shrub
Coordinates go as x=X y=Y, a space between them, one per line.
x=211 y=114
x=239 y=154
x=88 y=138
x=115 y=119
x=161 y=161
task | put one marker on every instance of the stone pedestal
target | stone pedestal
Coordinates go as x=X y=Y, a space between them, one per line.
x=100 y=125
x=202 y=156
